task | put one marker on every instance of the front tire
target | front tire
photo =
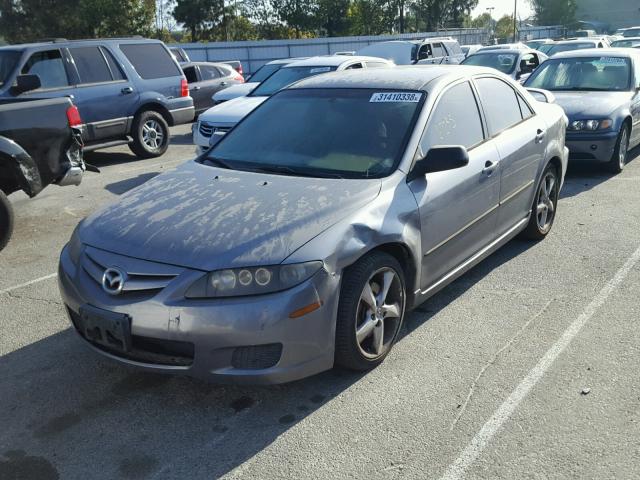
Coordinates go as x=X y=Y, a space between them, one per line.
x=619 y=157
x=370 y=311
x=6 y=220
x=545 y=205
x=150 y=135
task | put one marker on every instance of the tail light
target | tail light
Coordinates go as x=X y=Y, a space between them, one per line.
x=239 y=69
x=73 y=116
x=184 y=88
x=239 y=78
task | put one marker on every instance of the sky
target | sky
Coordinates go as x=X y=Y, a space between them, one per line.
x=503 y=7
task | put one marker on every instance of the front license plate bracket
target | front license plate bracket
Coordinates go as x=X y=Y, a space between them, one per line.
x=110 y=329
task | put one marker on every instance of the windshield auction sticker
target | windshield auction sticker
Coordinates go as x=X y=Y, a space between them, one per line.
x=381 y=97
x=613 y=60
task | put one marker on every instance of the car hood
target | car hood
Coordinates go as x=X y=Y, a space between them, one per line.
x=207 y=218
x=232 y=111
x=591 y=104
x=234 y=91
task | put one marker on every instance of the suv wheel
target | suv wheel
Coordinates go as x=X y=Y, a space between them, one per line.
x=370 y=311
x=150 y=135
x=6 y=220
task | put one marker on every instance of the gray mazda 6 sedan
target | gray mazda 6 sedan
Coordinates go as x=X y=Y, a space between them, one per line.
x=303 y=237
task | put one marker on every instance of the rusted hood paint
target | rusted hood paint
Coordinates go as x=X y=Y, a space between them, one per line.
x=208 y=218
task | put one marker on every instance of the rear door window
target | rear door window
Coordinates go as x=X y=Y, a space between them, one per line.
x=209 y=73
x=500 y=104
x=49 y=66
x=91 y=65
x=455 y=120
x=354 y=66
x=116 y=70
x=151 y=60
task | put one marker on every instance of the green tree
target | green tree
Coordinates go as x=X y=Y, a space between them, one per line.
x=333 y=18
x=300 y=15
x=554 y=12
x=483 y=20
x=370 y=17
x=504 y=27
x=200 y=17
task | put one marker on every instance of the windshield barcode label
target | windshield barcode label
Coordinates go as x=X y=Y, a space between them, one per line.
x=395 y=97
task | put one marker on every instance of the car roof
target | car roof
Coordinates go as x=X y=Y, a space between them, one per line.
x=333 y=61
x=598 y=52
x=414 y=77
x=93 y=41
x=626 y=39
x=285 y=60
x=502 y=51
x=215 y=64
x=579 y=40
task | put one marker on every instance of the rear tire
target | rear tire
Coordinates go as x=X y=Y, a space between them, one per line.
x=6 y=220
x=150 y=135
x=545 y=205
x=619 y=157
x=370 y=311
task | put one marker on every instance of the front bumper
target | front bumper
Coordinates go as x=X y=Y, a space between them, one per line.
x=596 y=147
x=212 y=334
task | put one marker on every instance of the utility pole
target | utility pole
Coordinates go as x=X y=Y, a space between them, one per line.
x=515 y=7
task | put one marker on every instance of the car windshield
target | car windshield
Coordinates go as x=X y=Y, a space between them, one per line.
x=545 y=48
x=566 y=47
x=626 y=43
x=8 y=61
x=631 y=32
x=265 y=72
x=583 y=73
x=342 y=133
x=286 y=76
x=505 y=62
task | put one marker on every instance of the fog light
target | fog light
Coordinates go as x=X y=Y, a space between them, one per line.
x=594 y=147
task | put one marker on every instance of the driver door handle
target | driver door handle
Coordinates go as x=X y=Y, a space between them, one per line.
x=539 y=136
x=127 y=90
x=489 y=167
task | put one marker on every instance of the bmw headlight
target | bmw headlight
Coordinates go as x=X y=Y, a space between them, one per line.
x=235 y=282
x=590 y=125
x=74 y=247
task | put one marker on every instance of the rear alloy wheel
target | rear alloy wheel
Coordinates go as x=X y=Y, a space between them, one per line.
x=6 y=220
x=619 y=157
x=545 y=205
x=370 y=312
x=150 y=135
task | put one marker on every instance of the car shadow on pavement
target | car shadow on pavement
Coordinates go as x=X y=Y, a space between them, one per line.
x=123 y=186
x=106 y=158
x=182 y=139
x=68 y=412
x=583 y=176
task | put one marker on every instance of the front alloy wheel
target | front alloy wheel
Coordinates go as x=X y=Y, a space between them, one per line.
x=370 y=311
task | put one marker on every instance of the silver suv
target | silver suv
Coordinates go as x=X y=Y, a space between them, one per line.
x=437 y=50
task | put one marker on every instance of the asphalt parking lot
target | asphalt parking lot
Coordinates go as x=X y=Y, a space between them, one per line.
x=526 y=367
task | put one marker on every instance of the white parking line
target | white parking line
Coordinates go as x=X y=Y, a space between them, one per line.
x=26 y=284
x=458 y=468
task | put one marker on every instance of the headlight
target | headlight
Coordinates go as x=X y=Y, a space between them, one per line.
x=590 y=125
x=252 y=280
x=74 y=246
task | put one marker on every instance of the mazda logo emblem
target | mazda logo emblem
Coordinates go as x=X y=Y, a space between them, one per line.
x=113 y=281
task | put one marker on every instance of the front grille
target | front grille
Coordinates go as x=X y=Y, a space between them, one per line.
x=145 y=349
x=136 y=282
x=207 y=130
x=256 y=357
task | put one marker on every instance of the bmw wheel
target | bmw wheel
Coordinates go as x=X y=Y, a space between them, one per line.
x=619 y=157
x=545 y=205
x=370 y=311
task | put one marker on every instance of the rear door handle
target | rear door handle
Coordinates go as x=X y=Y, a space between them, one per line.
x=223 y=83
x=539 y=136
x=127 y=90
x=489 y=167
x=195 y=89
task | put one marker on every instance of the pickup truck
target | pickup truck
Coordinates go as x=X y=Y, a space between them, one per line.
x=40 y=144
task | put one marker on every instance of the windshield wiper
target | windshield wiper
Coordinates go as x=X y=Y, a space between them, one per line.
x=216 y=162
x=293 y=172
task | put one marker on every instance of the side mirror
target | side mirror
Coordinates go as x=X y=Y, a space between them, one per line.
x=27 y=83
x=440 y=159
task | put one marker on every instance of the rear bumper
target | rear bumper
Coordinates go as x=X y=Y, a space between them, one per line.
x=181 y=110
x=591 y=147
